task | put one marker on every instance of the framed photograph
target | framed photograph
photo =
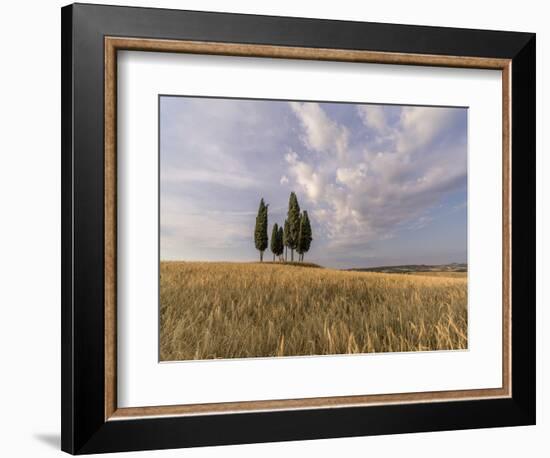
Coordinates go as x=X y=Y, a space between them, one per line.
x=283 y=228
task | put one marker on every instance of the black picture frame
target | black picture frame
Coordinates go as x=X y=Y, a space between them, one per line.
x=84 y=429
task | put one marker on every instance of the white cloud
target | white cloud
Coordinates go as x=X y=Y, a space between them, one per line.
x=363 y=197
x=306 y=176
x=373 y=116
x=421 y=125
x=321 y=134
x=283 y=180
x=352 y=176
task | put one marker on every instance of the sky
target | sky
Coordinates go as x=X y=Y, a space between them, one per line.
x=382 y=184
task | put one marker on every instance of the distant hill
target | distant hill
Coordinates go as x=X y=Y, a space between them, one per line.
x=411 y=268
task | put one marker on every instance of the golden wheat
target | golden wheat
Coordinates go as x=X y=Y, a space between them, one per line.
x=240 y=310
x=440 y=274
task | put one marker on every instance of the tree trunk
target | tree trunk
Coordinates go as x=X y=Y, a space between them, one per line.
x=286 y=253
x=292 y=255
x=261 y=256
x=273 y=257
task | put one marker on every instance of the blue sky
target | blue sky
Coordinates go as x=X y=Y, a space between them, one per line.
x=382 y=184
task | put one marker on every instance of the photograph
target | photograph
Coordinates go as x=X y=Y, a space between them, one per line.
x=302 y=228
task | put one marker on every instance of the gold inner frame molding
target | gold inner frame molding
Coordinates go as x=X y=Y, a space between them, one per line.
x=114 y=44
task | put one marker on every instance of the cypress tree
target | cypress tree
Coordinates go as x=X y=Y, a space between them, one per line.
x=260 y=230
x=294 y=223
x=280 y=244
x=286 y=237
x=299 y=245
x=275 y=240
x=306 y=236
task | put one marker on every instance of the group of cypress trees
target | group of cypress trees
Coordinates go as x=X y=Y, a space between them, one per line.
x=296 y=233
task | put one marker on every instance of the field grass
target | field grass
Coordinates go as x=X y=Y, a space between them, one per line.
x=239 y=310
x=441 y=274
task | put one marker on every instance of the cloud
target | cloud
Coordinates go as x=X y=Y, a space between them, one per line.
x=372 y=192
x=283 y=180
x=213 y=177
x=421 y=125
x=186 y=226
x=352 y=176
x=373 y=116
x=321 y=134
x=305 y=176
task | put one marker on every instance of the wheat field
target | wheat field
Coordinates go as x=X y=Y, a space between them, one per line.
x=241 y=310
